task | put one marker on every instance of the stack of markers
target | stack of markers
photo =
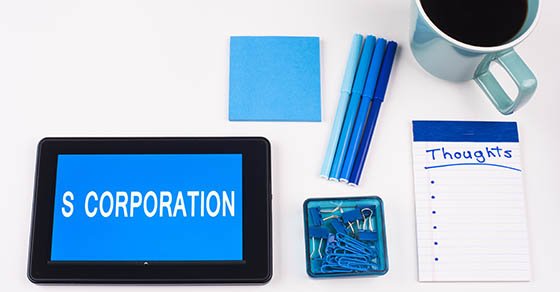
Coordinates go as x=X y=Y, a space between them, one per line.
x=363 y=90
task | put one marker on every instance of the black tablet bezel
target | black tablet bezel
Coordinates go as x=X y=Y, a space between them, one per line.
x=256 y=266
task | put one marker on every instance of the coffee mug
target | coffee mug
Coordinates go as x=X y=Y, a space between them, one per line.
x=448 y=58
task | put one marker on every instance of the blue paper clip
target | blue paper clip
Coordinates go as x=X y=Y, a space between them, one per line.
x=344 y=254
x=347 y=242
x=359 y=266
x=344 y=263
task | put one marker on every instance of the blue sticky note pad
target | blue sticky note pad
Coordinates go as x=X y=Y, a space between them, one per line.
x=274 y=79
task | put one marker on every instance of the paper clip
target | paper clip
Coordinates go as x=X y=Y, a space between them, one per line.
x=345 y=257
x=350 y=253
x=354 y=265
x=347 y=242
x=345 y=263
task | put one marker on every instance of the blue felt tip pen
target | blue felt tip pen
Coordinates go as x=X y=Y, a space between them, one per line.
x=357 y=89
x=378 y=98
x=363 y=109
x=347 y=82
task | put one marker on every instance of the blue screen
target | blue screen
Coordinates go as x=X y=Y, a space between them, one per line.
x=148 y=207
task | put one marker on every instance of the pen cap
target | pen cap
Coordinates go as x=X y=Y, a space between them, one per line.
x=373 y=72
x=352 y=63
x=381 y=87
x=363 y=66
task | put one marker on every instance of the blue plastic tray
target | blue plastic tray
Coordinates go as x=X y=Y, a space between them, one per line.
x=345 y=236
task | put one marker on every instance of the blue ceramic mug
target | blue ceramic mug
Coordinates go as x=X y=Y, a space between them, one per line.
x=450 y=59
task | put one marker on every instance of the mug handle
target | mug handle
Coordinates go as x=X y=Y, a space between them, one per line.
x=521 y=74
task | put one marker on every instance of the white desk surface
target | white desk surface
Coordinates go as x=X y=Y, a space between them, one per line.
x=160 y=68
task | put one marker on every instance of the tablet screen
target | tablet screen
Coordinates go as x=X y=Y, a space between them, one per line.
x=148 y=207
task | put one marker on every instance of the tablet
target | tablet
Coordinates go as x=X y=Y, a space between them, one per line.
x=152 y=210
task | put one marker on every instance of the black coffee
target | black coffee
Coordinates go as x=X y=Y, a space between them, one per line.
x=484 y=23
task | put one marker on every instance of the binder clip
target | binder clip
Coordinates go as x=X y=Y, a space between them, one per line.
x=365 y=235
x=338 y=226
x=316 y=218
x=317 y=232
x=352 y=216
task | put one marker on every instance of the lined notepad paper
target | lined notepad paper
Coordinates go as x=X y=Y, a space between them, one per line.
x=470 y=206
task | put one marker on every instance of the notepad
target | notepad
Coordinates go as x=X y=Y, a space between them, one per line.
x=471 y=217
x=274 y=79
